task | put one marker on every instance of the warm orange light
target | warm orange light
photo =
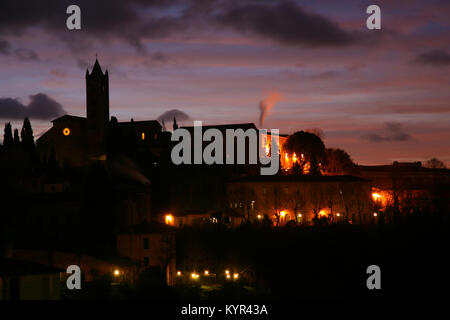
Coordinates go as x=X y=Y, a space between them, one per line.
x=322 y=213
x=286 y=156
x=143 y=135
x=375 y=214
x=267 y=150
x=194 y=275
x=178 y=273
x=338 y=214
x=376 y=196
x=206 y=272
x=283 y=214
x=236 y=275
x=294 y=157
x=228 y=276
x=116 y=272
x=259 y=216
x=66 y=131
x=227 y=271
x=299 y=215
x=169 y=219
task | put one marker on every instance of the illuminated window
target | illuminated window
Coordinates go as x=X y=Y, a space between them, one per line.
x=169 y=219
x=143 y=135
x=66 y=131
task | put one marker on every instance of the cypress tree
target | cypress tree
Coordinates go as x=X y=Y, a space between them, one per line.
x=27 y=133
x=7 y=135
x=16 y=137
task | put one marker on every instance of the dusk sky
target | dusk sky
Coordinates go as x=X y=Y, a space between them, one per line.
x=381 y=95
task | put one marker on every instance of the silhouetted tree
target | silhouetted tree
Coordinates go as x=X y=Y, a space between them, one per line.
x=435 y=163
x=298 y=201
x=339 y=162
x=331 y=198
x=316 y=196
x=16 y=137
x=26 y=134
x=8 y=135
x=309 y=148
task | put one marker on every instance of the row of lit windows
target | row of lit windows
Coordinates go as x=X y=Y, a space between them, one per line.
x=66 y=132
x=235 y=205
x=155 y=136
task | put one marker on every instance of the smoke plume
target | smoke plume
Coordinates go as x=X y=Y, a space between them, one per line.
x=266 y=105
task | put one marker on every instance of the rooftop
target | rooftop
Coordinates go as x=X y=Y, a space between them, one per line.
x=300 y=178
x=12 y=267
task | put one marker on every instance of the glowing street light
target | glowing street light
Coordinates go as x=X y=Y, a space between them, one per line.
x=228 y=276
x=227 y=271
x=375 y=214
x=236 y=275
x=194 y=275
x=206 y=272
x=116 y=272
x=179 y=273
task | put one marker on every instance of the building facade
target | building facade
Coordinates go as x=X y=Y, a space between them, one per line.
x=77 y=141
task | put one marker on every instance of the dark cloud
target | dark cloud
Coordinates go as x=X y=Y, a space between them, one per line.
x=435 y=58
x=174 y=113
x=392 y=132
x=103 y=20
x=159 y=56
x=5 y=47
x=26 y=54
x=40 y=107
x=134 y=21
x=286 y=23
x=21 y=53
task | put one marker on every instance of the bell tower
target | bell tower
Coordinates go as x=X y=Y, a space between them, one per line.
x=97 y=109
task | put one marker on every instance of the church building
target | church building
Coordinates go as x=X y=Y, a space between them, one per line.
x=77 y=141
